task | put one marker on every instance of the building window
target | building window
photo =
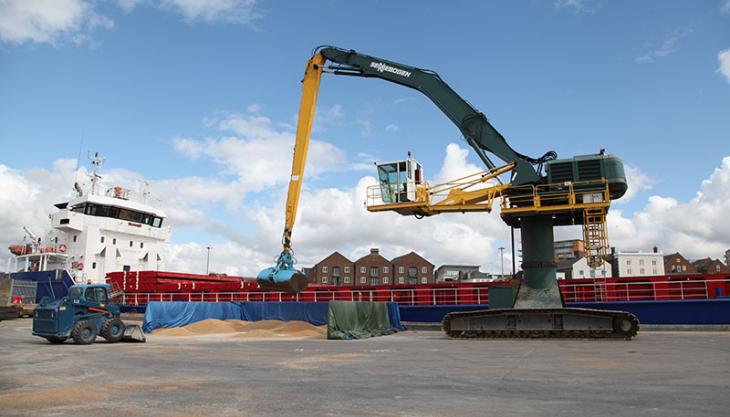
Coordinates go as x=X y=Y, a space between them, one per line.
x=717 y=268
x=336 y=271
x=55 y=240
x=362 y=269
x=412 y=271
x=628 y=271
x=582 y=272
x=362 y=280
x=401 y=269
x=324 y=280
x=347 y=280
x=385 y=280
x=653 y=262
x=93 y=265
x=347 y=269
x=141 y=245
x=628 y=262
x=385 y=269
x=603 y=273
x=641 y=271
x=374 y=281
x=401 y=280
x=684 y=268
x=114 y=241
x=74 y=238
x=424 y=269
x=374 y=271
x=324 y=269
x=678 y=261
x=641 y=262
x=654 y=271
x=102 y=239
x=131 y=243
x=424 y=280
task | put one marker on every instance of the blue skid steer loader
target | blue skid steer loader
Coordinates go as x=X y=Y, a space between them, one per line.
x=85 y=313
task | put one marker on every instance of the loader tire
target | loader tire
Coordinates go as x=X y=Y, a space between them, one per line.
x=113 y=330
x=84 y=332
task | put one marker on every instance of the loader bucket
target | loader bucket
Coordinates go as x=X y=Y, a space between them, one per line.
x=286 y=280
x=133 y=333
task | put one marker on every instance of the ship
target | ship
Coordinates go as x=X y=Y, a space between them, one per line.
x=99 y=229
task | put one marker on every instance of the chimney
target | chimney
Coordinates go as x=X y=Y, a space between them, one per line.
x=655 y=249
x=374 y=251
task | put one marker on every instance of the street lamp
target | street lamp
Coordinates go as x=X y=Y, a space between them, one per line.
x=207 y=261
x=501 y=255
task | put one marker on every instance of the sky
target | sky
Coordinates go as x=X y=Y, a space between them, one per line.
x=199 y=98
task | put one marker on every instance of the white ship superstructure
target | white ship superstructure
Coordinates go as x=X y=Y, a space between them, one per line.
x=98 y=231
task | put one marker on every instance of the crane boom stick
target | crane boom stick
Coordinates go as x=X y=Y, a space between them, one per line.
x=307 y=108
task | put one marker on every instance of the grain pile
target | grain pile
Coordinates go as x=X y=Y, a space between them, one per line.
x=248 y=329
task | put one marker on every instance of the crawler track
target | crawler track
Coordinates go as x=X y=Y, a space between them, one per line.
x=541 y=323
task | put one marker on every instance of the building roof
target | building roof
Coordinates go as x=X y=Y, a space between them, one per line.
x=335 y=254
x=567 y=263
x=399 y=258
x=456 y=266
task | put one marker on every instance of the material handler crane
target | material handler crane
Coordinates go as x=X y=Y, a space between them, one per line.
x=575 y=191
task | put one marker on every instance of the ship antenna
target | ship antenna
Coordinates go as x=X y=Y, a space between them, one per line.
x=96 y=162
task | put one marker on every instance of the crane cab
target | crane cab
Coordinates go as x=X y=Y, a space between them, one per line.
x=399 y=180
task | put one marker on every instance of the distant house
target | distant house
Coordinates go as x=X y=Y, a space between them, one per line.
x=412 y=268
x=578 y=268
x=373 y=269
x=335 y=269
x=461 y=273
x=678 y=264
x=710 y=266
x=569 y=249
x=637 y=263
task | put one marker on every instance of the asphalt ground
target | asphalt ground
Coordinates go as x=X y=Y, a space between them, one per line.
x=419 y=373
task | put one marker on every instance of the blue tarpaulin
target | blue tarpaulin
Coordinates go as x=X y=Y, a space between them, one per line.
x=314 y=313
x=180 y=313
x=394 y=316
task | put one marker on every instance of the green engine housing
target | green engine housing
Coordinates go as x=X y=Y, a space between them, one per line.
x=589 y=168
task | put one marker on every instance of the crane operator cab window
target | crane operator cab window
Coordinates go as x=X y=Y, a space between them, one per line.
x=398 y=180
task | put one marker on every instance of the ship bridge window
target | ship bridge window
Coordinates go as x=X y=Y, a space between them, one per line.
x=119 y=213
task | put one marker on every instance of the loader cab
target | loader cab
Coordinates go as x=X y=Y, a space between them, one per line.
x=399 y=180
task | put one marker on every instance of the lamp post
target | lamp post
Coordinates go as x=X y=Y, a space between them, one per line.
x=501 y=255
x=207 y=261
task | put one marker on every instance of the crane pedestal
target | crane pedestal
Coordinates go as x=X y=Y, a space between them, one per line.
x=539 y=287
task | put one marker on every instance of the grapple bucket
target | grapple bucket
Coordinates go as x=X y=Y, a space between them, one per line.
x=282 y=277
x=133 y=333
x=289 y=280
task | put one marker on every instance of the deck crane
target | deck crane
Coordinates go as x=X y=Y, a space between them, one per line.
x=575 y=191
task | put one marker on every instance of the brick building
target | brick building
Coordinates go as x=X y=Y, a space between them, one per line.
x=569 y=249
x=335 y=269
x=710 y=266
x=412 y=268
x=373 y=269
x=678 y=264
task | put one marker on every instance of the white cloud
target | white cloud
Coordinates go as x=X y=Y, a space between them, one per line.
x=48 y=21
x=638 y=181
x=697 y=228
x=234 y=11
x=667 y=47
x=575 y=4
x=128 y=5
x=725 y=8
x=724 y=58
x=54 y=21
x=392 y=128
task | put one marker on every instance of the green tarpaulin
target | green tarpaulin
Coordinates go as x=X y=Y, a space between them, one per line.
x=357 y=320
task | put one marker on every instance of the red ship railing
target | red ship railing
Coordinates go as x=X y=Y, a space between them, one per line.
x=691 y=287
